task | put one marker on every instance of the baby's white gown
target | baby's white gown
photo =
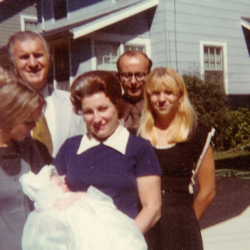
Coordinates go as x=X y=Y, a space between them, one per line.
x=91 y=223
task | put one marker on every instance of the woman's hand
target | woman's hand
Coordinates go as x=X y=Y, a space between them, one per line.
x=149 y=189
x=68 y=202
x=206 y=181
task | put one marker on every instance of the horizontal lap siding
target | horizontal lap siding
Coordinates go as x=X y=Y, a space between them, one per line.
x=202 y=21
x=11 y=25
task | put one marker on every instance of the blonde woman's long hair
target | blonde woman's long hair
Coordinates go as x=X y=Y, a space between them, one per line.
x=18 y=100
x=185 y=120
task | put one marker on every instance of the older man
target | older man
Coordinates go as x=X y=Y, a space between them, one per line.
x=133 y=68
x=30 y=57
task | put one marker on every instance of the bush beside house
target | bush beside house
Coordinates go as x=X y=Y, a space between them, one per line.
x=210 y=102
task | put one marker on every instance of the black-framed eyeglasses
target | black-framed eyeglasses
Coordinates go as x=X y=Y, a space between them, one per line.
x=128 y=76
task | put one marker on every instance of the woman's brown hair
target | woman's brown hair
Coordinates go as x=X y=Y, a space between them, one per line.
x=93 y=82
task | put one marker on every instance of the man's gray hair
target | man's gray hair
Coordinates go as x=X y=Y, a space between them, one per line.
x=23 y=36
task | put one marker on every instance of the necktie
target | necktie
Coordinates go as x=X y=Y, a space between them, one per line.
x=135 y=115
x=41 y=133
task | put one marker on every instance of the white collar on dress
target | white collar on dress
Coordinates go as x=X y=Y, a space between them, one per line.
x=118 y=141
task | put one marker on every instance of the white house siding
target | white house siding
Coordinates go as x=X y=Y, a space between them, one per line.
x=121 y=32
x=125 y=29
x=13 y=24
x=10 y=26
x=176 y=37
x=79 y=11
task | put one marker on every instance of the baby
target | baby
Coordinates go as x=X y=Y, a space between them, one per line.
x=64 y=220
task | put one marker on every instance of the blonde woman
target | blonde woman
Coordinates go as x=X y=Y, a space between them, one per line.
x=20 y=107
x=183 y=150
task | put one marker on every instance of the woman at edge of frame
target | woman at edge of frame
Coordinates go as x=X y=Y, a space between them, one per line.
x=20 y=108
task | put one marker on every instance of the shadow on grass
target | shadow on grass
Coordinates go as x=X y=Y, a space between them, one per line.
x=241 y=162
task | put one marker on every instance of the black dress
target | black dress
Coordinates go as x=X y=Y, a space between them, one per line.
x=178 y=228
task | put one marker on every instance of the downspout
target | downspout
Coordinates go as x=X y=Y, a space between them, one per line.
x=176 y=53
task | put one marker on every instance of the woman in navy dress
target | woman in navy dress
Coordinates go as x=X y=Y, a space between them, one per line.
x=183 y=150
x=117 y=163
x=20 y=107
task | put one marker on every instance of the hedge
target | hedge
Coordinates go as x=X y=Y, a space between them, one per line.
x=210 y=102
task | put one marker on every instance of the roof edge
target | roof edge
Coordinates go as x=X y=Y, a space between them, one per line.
x=112 y=18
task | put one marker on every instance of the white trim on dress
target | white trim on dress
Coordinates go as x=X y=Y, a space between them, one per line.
x=195 y=170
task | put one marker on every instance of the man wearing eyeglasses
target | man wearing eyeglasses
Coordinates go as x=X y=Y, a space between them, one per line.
x=133 y=68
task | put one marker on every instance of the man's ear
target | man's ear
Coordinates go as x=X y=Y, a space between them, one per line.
x=13 y=67
x=117 y=75
x=146 y=76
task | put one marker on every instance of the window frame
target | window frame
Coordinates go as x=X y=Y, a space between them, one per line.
x=122 y=40
x=24 y=18
x=214 y=44
x=116 y=46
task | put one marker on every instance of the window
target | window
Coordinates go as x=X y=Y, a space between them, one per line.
x=138 y=48
x=107 y=48
x=213 y=58
x=106 y=55
x=60 y=9
x=29 y=23
x=214 y=62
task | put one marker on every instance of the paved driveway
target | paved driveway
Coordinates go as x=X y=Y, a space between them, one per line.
x=226 y=224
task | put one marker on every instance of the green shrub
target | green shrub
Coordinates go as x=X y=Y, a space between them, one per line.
x=210 y=102
x=237 y=131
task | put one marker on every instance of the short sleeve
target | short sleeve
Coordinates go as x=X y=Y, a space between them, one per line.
x=147 y=163
x=200 y=143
